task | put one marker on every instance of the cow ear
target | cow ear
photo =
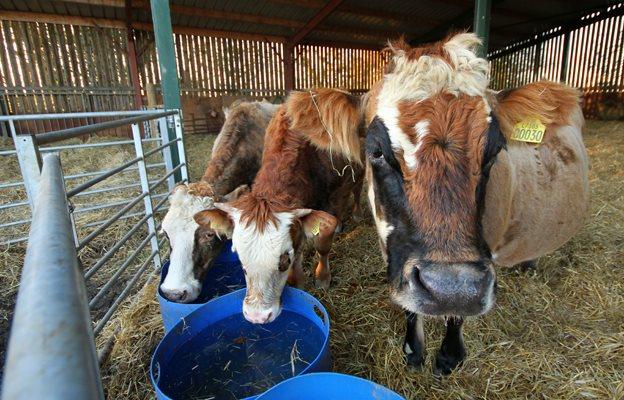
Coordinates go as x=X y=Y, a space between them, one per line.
x=317 y=223
x=236 y=193
x=217 y=220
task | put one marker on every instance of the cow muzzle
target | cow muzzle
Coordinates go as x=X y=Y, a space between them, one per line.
x=462 y=289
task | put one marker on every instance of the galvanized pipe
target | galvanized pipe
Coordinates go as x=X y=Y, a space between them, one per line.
x=51 y=137
x=110 y=221
x=51 y=353
x=124 y=293
x=85 y=174
x=164 y=178
x=101 y=177
x=116 y=247
x=113 y=279
x=84 y=146
x=153 y=151
x=94 y=114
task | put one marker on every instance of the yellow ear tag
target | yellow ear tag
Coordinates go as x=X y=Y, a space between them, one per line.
x=529 y=130
x=316 y=228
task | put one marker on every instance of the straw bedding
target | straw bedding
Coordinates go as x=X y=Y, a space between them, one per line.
x=556 y=332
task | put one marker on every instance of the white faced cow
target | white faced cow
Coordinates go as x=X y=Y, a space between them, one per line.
x=236 y=158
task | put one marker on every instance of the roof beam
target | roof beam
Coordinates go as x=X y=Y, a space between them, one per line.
x=315 y=21
x=24 y=16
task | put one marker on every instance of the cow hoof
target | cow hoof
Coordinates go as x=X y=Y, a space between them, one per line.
x=444 y=363
x=528 y=266
x=415 y=361
x=322 y=284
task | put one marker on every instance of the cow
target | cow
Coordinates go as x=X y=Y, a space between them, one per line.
x=312 y=164
x=236 y=158
x=453 y=194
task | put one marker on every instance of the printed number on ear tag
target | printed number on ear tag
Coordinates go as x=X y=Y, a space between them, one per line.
x=529 y=130
x=316 y=229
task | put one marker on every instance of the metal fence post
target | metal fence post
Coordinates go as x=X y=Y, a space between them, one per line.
x=147 y=200
x=29 y=162
x=482 y=24
x=177 y=120
x=164 y=138
x=51 y=352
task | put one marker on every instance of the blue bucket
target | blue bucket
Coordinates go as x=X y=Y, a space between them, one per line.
x=186 y=352
x=225 y=276
x=328 y=386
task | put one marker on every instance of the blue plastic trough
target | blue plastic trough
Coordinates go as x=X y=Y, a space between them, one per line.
x=205 y=352
x=224 y=277
x=328 y=386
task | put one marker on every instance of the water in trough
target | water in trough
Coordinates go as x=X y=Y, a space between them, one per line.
x=234 y=359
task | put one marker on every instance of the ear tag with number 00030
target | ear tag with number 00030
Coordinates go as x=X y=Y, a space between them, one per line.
x=316 y=228
x=529 y=130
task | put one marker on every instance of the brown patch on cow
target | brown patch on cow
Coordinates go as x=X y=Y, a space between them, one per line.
x=564 y=153
x=201 y=189
x=237 y=156
x=442 y=187
x=291 y=159
x=329 y=118
x=553 y=103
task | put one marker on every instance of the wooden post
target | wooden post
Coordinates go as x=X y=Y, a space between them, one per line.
x=482 y=24
x=163 y=33
x=289 y=45
x=133 y=62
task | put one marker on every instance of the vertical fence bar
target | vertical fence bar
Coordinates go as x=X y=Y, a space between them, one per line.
x=147 y=200
x=164 y=138
x=51 y=353
x=177 y=121
x=29 y=161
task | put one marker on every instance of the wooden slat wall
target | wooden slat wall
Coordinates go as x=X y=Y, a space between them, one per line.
x=595 y=65
x=352 y=69
x=47 y=67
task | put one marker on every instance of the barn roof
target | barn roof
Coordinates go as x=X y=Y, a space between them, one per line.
x=354 y=23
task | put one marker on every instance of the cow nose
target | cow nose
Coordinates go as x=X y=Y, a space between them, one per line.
x=258 y=317
x=175 y=295
x=458 y=288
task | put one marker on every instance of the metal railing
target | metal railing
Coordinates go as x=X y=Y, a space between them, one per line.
x=51 y=336
x=60 y=235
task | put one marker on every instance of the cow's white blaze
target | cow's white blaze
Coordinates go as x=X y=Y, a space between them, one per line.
x=384 y=229
x=180 y=228
x=259 y=253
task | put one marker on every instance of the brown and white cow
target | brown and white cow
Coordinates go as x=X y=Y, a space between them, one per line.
x=236 y=158
x=453 y=195
x=312 y=163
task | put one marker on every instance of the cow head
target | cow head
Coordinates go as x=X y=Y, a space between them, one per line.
x=268 y=239
x=430 y=144
x=192 y=247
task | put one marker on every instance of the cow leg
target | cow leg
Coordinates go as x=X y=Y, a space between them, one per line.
x=322 y=273
x=357 y=194
x=414 y=344
x=452 y=351
x=296 y=277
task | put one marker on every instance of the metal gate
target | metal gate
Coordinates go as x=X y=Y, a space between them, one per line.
x=53 y=332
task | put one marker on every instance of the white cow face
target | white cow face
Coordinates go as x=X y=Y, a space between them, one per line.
x=266 y=254
x=192 y=247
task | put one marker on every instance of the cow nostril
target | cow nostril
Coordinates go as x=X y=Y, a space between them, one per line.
x=184 y=295
x=270 y=315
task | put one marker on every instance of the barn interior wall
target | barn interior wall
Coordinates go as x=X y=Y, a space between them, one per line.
x=595 y=65
x=48 y=67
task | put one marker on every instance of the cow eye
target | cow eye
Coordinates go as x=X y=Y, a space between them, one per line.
x=377 y=153
x=284 y=262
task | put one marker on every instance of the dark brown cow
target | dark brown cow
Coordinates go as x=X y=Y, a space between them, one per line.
x=453 y=194
x=236 y=158
x=312 y=163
